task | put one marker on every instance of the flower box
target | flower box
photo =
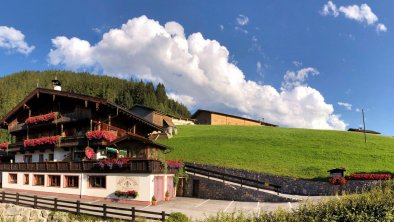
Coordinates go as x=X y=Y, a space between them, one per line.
x=126 y=194
x=174 y=164
x=111 y=163
x=42 y=118
x=49 y=140
x=101 y=134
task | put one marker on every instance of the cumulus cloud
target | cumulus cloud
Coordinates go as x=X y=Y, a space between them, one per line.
x=347 y=106
x=293 y=79
x=362 y=14
x=242 y=20
x=198 y=72
x=13 y=39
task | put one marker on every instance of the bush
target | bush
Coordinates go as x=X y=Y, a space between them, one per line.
x=178 y=217
x=337 y=180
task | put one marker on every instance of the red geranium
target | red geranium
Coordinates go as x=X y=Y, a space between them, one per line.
x=174 y=164
x=370 y=176
x=4 y=146
x=337 y=180
x=41 y=141
x=101 y=134
x=42 y=118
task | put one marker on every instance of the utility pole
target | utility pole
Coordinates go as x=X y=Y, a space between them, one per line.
x=365 y=135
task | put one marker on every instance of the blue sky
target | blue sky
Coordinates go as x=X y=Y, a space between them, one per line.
x=312 y=64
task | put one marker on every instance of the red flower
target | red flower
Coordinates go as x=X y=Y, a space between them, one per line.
x=370 y=176
x=174 y=164
x=337 y=180
x=41 y=141
x=101 y=134
x=42 y=118
x=4 y=146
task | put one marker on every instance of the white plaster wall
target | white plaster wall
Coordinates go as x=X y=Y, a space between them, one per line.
x=178 y=122
x=35 y=156
x=45 y=188
x=143 y=183
x=59 y=153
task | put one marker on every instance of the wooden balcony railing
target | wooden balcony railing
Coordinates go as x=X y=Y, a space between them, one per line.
x=134 y=166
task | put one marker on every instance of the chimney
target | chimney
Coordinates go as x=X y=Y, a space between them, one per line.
x=57 y=85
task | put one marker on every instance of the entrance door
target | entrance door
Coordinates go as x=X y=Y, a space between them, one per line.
x=170 y=186
x=196 y=188
x=159 y=187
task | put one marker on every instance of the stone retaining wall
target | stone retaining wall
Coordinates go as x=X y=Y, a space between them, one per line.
x=212 y=189
x=15 y=213
x=296 y=186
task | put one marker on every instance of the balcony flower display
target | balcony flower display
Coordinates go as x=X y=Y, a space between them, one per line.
x=42 y=118
x=101 y=134
x=4 y=146
x=110 y=163
x=49 y=140
x=174 y=164
x=130 y=193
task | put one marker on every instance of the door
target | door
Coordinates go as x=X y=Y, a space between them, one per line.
x=170 y=186
x=159 y=187
x=196 y=188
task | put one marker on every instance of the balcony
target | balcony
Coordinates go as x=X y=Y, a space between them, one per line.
x=135 y=166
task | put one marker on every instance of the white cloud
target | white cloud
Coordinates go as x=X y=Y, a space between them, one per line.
x=198 y=72
x=330 y=9
x=347 y=106
x=381 y=28
x=362 y=14
x=242 y=20
x=13 y=39
x=259 y=69
x=358 y=110
x=293 y=79
x=221 y=27
x=297 y=63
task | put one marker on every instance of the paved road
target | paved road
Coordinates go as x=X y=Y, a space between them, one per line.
x=198 y=208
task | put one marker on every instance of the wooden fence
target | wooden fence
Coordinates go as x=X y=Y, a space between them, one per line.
x=77 y=207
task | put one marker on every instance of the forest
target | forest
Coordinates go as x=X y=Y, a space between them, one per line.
x=15 y=87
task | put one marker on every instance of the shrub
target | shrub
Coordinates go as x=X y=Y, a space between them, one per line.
x=337 y=180
x=178 y=217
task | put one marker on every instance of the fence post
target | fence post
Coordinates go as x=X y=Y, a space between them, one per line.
x=133 y=214
x=105 y=211
x=17 y=199
x=241 y=182
x=3 y=197
x=55 y=204
x=163 y=216
x=78 y=207
x=35 y=202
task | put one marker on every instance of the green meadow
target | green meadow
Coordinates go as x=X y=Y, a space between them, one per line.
x=301 y=153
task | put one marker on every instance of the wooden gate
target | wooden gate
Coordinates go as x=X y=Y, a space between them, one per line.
x=159 y=187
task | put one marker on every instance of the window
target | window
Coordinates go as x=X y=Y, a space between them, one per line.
x=12 y=178
x=54 y=180
x=71 y=181
x=27 y=158
x=38 y=180
x=26 y=179
x=41 y=158
x=50 y=157
x=97 y=182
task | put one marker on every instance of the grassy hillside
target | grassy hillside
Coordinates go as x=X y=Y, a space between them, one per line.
x=281 y=151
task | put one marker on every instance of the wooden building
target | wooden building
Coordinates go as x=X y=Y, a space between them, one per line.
x=215 y=118
x=155 y=117
x=82 y=146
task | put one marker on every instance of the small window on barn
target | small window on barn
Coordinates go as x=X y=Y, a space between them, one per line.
x=12 y=178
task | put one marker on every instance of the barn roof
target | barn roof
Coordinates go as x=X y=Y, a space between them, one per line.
x=141 y=139
x=38 y=91
x=194 y=116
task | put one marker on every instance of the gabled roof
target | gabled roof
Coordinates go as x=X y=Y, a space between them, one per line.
x=194 y=116
x=141 y=139
x=93 y=99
